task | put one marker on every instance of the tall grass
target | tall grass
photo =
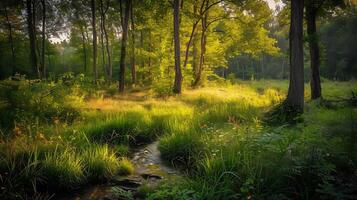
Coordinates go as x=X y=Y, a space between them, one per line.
x=63 y=169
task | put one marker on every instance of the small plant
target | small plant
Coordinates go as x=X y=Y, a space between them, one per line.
x=125 y=167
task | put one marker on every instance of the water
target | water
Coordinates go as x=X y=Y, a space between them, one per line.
x=149 y=168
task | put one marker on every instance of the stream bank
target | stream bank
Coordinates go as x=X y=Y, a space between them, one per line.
x=150 y=169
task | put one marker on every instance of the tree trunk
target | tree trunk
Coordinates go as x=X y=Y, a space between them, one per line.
x=11 y=40
x=123 y=46
x=43 y=39
x=142 y=58
x=178 y=75
x=31 y=32
x=315 y=82
x=133 y=69
x=295 y=98
x=95 y=71
x=110 y=69
x=198 y=75
x=84 y=49
x=149 y=66
x=102 y=39
x=194 y=45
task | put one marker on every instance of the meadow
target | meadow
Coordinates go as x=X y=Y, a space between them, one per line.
x=60 y=136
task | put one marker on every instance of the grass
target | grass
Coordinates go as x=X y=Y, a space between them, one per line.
x=100 y=162
x=63 y=169
x=216 y=133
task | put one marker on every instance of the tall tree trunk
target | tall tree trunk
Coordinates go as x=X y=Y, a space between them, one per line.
x=315 y=82
x=43 y=39
x=11 y=40
x=178 y=75
x=149 y=66
x=31 y=33
x=295 y=98
x=84 y=49
x=141 y=53
x=95 y=71
x=102 y=40
x=110 y=69
x=123 y=46
x=194 y=46
x=133 y=69
x=198 y=75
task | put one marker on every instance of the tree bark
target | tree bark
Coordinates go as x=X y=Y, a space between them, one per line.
x=198 y=75
x=84 y=49
x=102 y=38
x=11 y=40
x=110 y=69
x=123 y=46
x=31 y=33
x=315 y=82
x=295 y=98
x=43 y=39
x=133 y=69
x=95 y=71
x=178 y=75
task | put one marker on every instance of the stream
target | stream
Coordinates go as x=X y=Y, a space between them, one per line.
x=150 y=169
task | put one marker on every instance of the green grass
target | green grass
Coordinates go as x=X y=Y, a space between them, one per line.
x=100 y=163
x=63 y=169
x=215 y=133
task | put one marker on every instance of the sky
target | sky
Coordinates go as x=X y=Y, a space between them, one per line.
x=272 y=3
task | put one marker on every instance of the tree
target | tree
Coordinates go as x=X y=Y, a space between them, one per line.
x=313 y=8
x=11 y=40
x=295 y=98
x=32 y=36
x=95 y=71
x=133 y=68
x=103 y=12
x=178 y=74
x=123 y=46
x=203 y=46
x=43 y=67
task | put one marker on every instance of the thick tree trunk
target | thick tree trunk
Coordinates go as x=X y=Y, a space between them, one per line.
x=123 y=46
x=133 y=69
x=11 y=40
x=95 y=71
x=31 y=33
x=178 y=75
x=43 y=39
x=315 y=82
x=295 y=98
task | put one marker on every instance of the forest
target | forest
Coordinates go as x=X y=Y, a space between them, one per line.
x=178 y=99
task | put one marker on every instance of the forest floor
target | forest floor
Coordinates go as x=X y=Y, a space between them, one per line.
x=61 y=137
